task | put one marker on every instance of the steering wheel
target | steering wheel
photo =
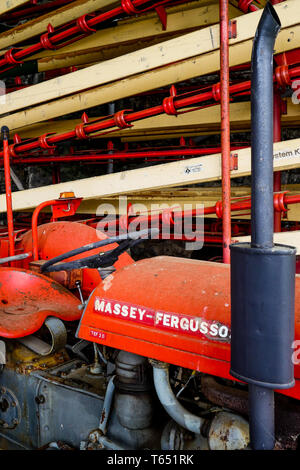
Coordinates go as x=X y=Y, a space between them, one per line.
x=101 y=260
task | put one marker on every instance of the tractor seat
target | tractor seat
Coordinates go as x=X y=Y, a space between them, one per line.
x=28 y=298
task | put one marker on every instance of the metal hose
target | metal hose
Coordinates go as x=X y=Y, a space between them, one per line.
x=170 y=403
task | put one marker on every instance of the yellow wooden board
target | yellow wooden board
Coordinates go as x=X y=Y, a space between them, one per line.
x=187 y=46
x=288 y=39
x=57 y=18
x=8 y=5
x=183 y=172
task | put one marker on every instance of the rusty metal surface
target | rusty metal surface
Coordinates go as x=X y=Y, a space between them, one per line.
x=27 y=299
x=287 y=410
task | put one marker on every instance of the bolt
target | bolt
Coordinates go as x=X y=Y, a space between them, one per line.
x=40 y=399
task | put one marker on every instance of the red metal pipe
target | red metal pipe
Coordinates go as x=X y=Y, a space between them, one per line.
x=79 y=28
x=121 y=119
x=9 y=211
x=281 y=201
x=120 y=155
x=225 y=126
x=35 y=215
x=246 y=5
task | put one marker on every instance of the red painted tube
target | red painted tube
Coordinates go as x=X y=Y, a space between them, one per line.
x=35 y=215
x=120 y=155
x=121 y=119
x=225 y=127
x=242 y=204
x=9 y=211
x=81 y=27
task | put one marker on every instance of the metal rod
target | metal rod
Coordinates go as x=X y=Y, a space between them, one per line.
x=80 y=28
x=225 y=127
x=262 y=424
x=110 y=165
x=9 y=211
x=180 y=101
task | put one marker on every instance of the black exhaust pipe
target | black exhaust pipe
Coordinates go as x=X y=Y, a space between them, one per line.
x=262 y=274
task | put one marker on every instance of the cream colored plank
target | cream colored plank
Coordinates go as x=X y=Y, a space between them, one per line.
x=285 y=238
x=288 y=39
x=8 y=5
x=184 y=20
x=183 y=172
x=187 y=46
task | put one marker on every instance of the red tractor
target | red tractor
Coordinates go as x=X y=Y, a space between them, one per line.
x=101 y=352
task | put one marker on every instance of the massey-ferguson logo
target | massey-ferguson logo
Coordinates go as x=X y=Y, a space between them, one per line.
x=190 y=325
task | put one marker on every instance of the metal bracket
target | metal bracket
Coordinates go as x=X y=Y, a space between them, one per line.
x=234 y=163
x=58 y=334
x=232 y=29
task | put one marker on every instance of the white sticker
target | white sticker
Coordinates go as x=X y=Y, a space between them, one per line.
x=287 y=153
x=193 y=168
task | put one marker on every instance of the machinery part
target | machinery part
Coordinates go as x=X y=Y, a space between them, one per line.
x=10 y=413
x=131 y=370
x=108 y=399
x=96 y=261
x=152 y=306
x=170 y=403
x=9 y=211
x=98 y=442
x=19 y=257
x=287 y=410
x=2 y=353
x=133 y=402
x=172 y=437
x=262 y=128
x=58 y=334
x=228 y=432
x=262 y=330
x=28 y=298
x=55 y=238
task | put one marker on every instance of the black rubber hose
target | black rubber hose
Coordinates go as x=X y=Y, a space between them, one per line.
x=262 y=213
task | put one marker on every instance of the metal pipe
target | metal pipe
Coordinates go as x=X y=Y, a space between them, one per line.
x=34 y=227
x=225 y=127
x=79 y=29
x=108 y=399
x=261 y=399
x=110 y=165
x=170 y=403
x=262 y=219
x=111 y=122
x=19 y=257
x=9 y=211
